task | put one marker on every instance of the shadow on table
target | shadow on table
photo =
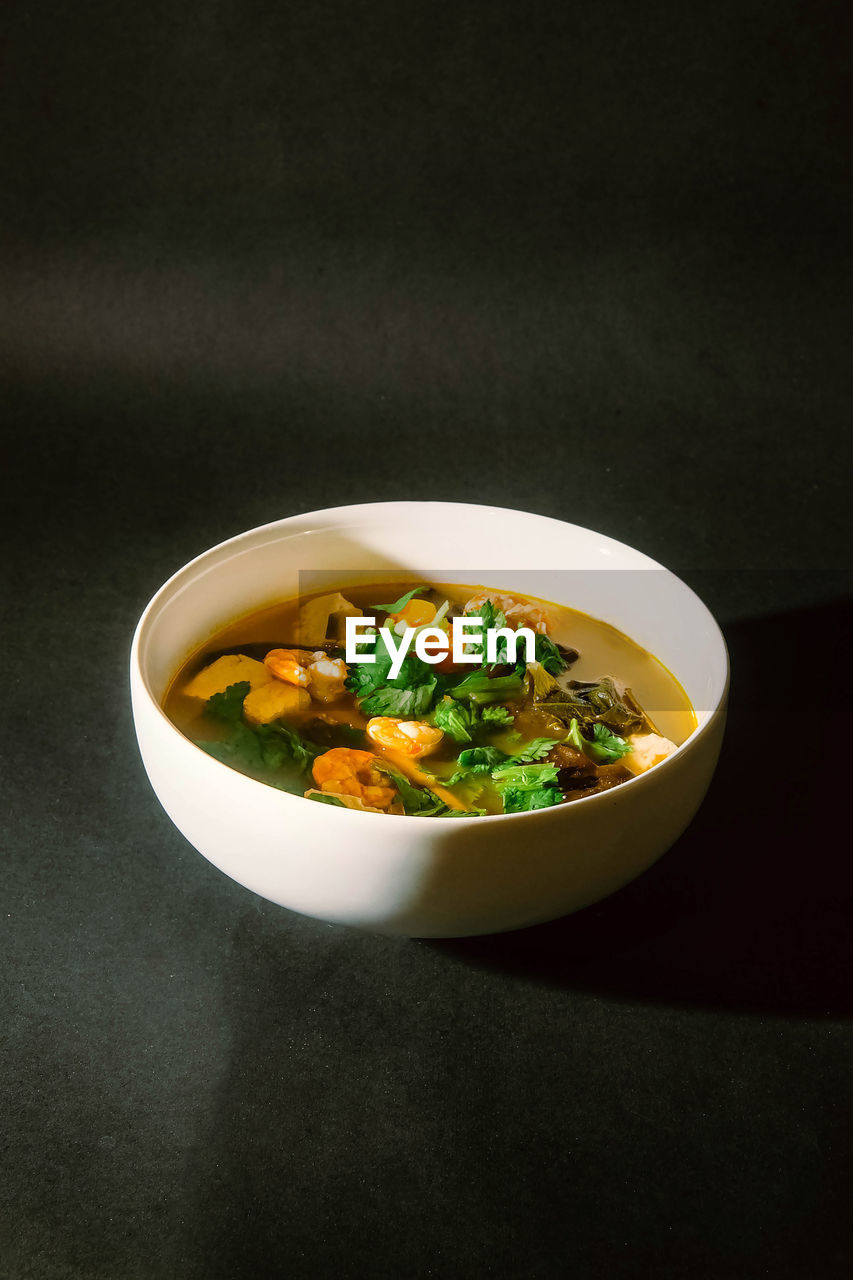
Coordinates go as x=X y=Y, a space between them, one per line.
x=751 y=908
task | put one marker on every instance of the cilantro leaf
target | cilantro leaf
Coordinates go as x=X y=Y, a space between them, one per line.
x=527 y=786
x=228 y=706
x=521 y=801
x=525 y=777
x=493 y=761
x=397 y=605
x=454 y=718
x=272 y=753
x=462 y=720
x=280 y=745
x=492 y=618
x=549 y=656
x=607 y=745
x=493 y=715
x=409 y=693
x=241 y=749
x=488 y=756
x=417 y=800
x=603 y=748
x=534 y=750
x=391 y=701
x=364 y=677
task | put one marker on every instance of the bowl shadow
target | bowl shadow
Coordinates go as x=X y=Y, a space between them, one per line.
x=751 y=908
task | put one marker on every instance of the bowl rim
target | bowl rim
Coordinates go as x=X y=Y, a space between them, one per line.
x=138 y=679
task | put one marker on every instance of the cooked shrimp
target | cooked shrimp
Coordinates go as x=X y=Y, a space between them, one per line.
x=326 y=677
x=288 y=665
x=345 y=771
x=411 y=738
x=315 y=671
x=518 y=613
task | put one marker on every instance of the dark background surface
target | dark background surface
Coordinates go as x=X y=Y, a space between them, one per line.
x=591 y=261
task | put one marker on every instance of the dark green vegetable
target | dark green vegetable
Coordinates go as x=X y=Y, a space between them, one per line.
x=332 y=733
x=228 y=706
x=241 y=749
x=263 y=748
x=280 y=745
x=482 y=688
x=596 y=702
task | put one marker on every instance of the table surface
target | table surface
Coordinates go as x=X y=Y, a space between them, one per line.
x=590 y=262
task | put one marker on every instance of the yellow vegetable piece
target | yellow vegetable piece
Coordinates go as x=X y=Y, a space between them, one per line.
x=324 y=618
x=230 y=669
x=417 y=613
x=275 y=699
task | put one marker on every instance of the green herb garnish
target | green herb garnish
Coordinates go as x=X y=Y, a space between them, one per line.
x=416 y=800
x=228 y=705
x=521 y=801
x=481 y=688
x=603 y=747
x=264 y=749
x=410 y=693
x=549 y=655
x=455 y=719
x=527 y=786
x=396 y=606
x=403 y=703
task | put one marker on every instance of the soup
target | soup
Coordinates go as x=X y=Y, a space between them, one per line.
x=579 y=709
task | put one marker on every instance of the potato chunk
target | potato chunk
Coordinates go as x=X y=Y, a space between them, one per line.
x=225 y=671
x=275 y=699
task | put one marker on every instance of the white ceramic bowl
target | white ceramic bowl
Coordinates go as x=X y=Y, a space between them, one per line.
x=427 y=877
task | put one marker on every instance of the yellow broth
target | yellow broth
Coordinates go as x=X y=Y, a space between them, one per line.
x=603 y=651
